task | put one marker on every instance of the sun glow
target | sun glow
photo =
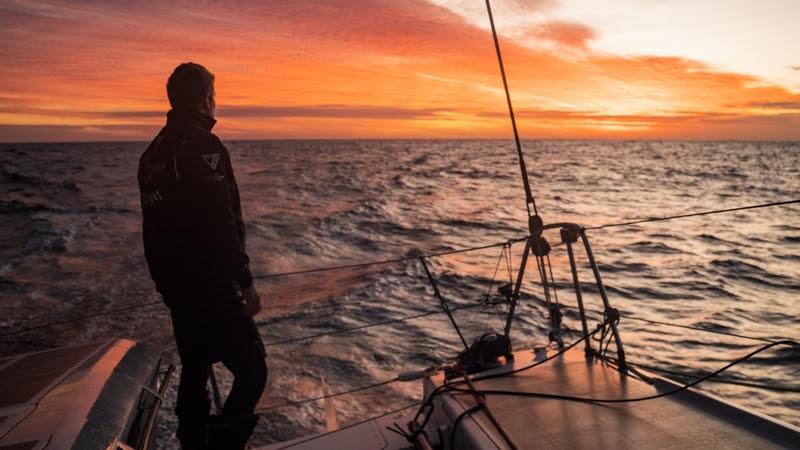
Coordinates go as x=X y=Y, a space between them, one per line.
x=362 y=69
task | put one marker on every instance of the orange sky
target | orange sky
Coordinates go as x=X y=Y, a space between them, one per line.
x=372 y=69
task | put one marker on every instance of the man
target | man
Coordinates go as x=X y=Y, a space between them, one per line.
x=194 y=243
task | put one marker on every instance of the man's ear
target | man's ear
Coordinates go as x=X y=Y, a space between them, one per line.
x=209 y=105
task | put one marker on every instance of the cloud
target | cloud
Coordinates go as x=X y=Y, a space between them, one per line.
x=254 y=111
x=74 y=133
x=564 y=34
x=333 y=111
x=777 y=105
x=322 y=67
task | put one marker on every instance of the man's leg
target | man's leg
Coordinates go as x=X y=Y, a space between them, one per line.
x=193 y=405
x=242 y=352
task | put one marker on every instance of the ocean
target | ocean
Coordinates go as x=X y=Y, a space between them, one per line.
x=71 y=245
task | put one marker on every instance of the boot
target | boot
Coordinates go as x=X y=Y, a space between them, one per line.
x=193 y=426
x=230 y=433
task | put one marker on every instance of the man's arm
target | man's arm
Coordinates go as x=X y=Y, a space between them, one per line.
x=204 y=169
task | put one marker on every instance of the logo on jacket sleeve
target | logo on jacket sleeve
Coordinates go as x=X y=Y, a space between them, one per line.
x=212 y=159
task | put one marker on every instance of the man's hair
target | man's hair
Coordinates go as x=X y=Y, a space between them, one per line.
x=189 y=86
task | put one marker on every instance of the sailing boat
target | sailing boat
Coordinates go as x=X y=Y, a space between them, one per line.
x=491 y=396
x=568 y=396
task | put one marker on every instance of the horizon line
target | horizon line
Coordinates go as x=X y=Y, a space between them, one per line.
x=584 y=139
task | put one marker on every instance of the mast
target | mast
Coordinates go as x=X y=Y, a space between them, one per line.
x=529 y=199
x=536 y=243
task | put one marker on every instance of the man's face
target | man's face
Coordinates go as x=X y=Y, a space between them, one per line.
x=211 y=104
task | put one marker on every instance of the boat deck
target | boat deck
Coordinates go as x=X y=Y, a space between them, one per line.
x=689 y=419
x=684 y=420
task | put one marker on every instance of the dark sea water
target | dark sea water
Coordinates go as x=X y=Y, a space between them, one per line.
x=70 y=245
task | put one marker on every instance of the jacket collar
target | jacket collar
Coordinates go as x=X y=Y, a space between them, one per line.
x=187 y=119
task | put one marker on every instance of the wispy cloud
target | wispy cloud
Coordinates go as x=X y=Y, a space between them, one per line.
x=563 y=34
x=778 y=105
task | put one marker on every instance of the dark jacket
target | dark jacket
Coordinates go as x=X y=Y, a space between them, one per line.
x=194 y=238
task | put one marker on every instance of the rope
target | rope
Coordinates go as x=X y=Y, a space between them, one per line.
x=454 y=430
x=427 y=406
x=80 y=319
x=689 y=327
x=369 y=325
x=738 y=382
x=388 y=261
x=325 y=397
x=273 y=275
x=480 y=400
x=503 y=255
x=410 y=258
x=443 y=303
x=684 y=387
x=699 y=213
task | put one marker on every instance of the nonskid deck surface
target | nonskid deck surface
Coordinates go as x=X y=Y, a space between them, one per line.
x=685 y=420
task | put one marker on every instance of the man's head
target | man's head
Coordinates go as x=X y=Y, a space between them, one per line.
x=191 y=88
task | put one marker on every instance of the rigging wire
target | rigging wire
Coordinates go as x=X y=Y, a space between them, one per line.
x=274 y=275
x=427 y=406
x=443 y=303
x=370 y=325
x=502 y=392
x=693 y=214
x=410 y=258
x=81 y=319
x=690 y=327
x=329 y=396
x=734 y=381
x=389 y=261
x=488 y=299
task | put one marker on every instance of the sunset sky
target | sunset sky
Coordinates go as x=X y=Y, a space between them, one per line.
x=640 y=69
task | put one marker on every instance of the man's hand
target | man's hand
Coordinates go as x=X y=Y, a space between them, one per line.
x=252 y=302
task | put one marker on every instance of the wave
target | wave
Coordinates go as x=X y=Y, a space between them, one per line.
x=16 y=177
x=462 y=223
x=374 y=200
x=17 y=206
x=650 y=247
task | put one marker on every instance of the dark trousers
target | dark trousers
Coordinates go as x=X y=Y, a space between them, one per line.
x=206 y=335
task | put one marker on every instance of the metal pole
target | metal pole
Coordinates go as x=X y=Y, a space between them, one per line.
x=543 y=278
x=445 y=307
x=578 y=295
x=620 y=351
x=517 y=286
x=525 y=182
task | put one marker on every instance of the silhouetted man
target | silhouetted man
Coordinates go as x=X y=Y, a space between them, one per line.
x=194 y=243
